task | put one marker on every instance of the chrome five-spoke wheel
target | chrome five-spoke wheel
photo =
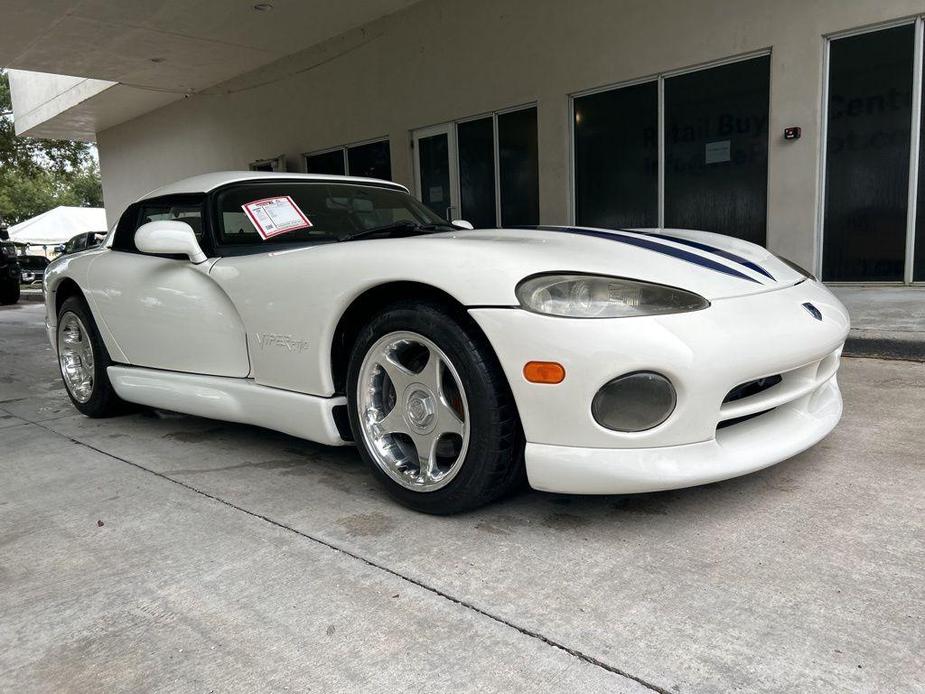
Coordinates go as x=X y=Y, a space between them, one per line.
x=413 y=411
x=75 y=356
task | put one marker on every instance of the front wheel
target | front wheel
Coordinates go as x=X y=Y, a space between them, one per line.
x=431 y=410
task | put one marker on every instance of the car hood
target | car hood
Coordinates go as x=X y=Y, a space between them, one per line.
x=712 y=265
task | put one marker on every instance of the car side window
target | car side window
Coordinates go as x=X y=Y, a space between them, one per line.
x=190 y=214
x=185 y=208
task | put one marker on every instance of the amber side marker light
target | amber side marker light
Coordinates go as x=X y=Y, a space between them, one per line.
x=544 y=372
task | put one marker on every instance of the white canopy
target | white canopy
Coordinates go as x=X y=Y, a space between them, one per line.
x=59 y=225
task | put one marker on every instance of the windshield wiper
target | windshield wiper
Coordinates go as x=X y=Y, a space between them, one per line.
x=407 y=226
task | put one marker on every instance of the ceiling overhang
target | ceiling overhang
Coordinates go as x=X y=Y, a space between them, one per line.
x=154 y=52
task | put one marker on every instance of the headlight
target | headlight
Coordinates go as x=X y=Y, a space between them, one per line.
x=793 y=266
x=597 y=296
x=7 y=252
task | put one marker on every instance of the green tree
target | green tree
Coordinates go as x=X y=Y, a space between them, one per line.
x=37 y=174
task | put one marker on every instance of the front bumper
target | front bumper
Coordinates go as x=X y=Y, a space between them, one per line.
x=705 y=354
x=736 y=450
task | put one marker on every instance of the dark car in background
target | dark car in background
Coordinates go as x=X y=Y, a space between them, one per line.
x=32 y=268
x=82 y=242
x=9 y=273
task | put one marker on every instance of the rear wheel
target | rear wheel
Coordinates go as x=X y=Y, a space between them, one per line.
x=431 y=410
x=9 y=292
x=83 y=359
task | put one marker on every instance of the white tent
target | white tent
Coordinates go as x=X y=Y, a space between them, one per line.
x=59 y=225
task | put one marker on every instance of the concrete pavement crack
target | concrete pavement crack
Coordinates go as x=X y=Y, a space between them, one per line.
x=575 y=653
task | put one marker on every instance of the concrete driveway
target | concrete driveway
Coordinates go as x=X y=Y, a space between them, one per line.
x=161 y=552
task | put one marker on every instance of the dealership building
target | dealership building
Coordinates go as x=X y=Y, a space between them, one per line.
x=795 y=124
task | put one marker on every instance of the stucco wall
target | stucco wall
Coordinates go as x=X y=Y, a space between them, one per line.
x=442 y=60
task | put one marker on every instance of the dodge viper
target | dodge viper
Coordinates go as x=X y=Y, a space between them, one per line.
x=459 y=361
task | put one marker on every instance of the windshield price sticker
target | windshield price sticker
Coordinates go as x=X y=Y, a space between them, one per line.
x=274 y=216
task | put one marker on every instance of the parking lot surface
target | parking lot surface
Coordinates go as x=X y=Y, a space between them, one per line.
x=161 y=552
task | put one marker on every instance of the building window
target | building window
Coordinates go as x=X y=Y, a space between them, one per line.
x=332 y=162
x=275 y=164
x=712 y=155
x=478 y=201
x=367 y=159
x=518 y=167
x=616 y=157
x=716 y=149
x=484 y=170
x=868 y=146
x=372 y=160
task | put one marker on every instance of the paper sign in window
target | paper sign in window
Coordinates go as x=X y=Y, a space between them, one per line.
x=274 y=216
x=717 y=152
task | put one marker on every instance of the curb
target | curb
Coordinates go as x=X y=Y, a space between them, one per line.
x=886 y=346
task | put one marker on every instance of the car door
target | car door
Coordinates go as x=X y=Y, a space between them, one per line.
x=165 y=312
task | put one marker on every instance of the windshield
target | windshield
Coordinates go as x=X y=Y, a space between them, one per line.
x=321 y=211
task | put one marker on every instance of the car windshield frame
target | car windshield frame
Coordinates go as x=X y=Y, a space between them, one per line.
x=320 y=232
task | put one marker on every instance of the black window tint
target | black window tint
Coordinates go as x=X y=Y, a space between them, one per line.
x=518 y=167
x=434 y=160
x=616 y=157
x=372 y=160
x=918 y=271
x=867 y=156
x=476 y=143
x=716 y=149
x=330 y=163
x=123 y=239
x=184 y=208
x=334 y=210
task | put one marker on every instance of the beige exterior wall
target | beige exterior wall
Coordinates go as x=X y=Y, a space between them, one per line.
x=442 y=60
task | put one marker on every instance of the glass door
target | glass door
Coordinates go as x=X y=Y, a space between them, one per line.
x=716 y=149
x=435 y=167
x=868 y=146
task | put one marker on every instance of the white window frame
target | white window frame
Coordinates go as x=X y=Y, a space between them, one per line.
x=344 y=148
x=660 y=78
x=454 y=165
x=914 y=145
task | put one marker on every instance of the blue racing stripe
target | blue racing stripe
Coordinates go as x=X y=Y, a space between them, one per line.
x=651 y=245
x=711 y=249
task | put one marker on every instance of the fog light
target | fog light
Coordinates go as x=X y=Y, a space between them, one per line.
x=634 y=402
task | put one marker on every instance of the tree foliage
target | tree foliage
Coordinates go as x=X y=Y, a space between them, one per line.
x=37 y=174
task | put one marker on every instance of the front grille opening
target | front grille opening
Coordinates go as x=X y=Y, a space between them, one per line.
x=738 y=420
x=750 y=388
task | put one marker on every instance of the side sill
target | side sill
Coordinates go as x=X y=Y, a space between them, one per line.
x=231 y=399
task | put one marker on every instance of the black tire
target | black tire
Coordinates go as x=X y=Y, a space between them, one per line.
x=493 y=464
x=9 y=292
x=103 y=401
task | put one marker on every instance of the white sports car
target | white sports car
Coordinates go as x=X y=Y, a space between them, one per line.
x=342 y=310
